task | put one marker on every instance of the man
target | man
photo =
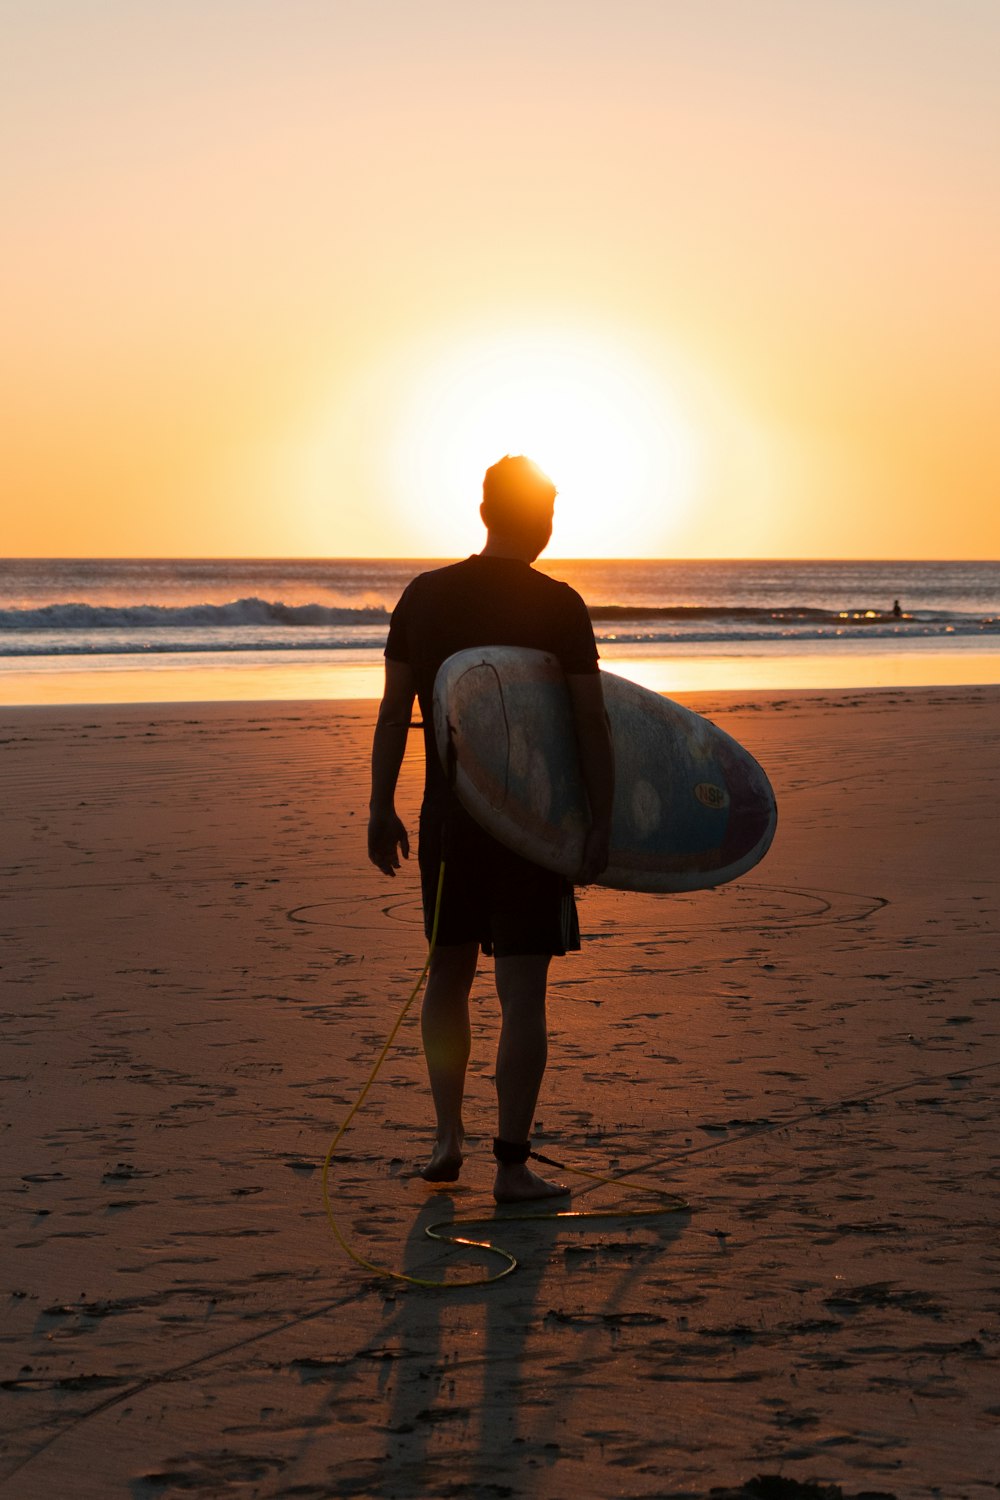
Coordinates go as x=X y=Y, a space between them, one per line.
x=491 y=898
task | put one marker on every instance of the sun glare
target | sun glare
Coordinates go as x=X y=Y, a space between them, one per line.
x=601 y=422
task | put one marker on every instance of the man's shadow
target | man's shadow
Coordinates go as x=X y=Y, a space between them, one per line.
x=464 y=1403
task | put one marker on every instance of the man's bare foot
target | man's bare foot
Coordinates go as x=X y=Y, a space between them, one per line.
x=445 y=1163
x=518 y=1184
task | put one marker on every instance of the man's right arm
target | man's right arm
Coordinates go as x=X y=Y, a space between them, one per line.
x=597 y=765
x=386 y=834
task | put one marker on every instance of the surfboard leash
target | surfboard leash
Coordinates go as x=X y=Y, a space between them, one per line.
x=442 y=1230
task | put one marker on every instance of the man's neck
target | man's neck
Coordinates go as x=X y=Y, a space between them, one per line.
x=498 y=546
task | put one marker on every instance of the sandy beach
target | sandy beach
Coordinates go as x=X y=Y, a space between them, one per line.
x=198 y=969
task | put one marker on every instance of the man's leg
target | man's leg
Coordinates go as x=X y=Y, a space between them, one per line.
x=521 y=1058
x=444 y=1025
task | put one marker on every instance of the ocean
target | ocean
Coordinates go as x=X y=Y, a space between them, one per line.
x=93 y=630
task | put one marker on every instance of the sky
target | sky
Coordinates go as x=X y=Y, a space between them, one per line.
x=283 y=277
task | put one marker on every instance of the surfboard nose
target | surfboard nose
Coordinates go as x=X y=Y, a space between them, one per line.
x=753 y=812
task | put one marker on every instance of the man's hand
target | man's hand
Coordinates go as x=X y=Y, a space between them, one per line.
x=386 y=838
x=596 y=852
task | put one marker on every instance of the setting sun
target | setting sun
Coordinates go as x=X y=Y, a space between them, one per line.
x=606 y=426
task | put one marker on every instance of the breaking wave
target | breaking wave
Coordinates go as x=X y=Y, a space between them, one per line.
x=238 y=613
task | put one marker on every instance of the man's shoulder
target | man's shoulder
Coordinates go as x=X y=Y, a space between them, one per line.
x=428 y=585
x=441 y=577
x=565 y=593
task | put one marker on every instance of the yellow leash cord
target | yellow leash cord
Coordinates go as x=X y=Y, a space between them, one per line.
x=442 y=1231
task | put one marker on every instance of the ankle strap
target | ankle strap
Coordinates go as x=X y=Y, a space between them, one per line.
x=511 y=1153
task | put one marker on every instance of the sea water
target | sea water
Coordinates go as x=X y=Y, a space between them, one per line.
x=96 y=630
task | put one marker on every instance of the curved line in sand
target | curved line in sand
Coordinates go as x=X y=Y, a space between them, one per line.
x=827 y=910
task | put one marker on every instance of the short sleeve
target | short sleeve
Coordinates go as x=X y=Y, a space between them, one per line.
x=397 y=646
x=578 y=649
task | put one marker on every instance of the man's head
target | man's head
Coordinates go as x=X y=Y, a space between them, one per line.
x=518 y=501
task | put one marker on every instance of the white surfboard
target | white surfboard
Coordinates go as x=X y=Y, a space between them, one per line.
x=692 y=808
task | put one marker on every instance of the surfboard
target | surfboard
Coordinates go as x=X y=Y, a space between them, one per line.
x=692 y=807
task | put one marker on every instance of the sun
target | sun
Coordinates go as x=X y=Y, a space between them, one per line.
x=603 y=423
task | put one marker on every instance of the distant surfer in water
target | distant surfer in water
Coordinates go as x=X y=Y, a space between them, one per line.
x=492 y=899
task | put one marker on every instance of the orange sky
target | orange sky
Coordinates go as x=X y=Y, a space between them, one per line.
x=259 y=254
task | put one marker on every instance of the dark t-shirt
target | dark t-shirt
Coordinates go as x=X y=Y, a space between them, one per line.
x=484 y=601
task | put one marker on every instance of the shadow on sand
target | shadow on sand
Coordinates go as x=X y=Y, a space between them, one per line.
x=482 y=1385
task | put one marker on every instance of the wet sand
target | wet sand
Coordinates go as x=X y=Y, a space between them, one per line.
x=198 y=968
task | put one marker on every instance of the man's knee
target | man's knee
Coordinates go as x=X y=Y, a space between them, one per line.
x=454 y=964
x=521 y=979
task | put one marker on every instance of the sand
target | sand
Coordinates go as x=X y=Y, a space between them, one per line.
x=198 y=967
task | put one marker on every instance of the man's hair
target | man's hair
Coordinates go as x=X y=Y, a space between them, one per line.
x=517 y=496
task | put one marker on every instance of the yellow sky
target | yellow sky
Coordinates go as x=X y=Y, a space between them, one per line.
x=261 y=256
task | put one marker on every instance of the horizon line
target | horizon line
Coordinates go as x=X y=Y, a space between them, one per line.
x=444 y=558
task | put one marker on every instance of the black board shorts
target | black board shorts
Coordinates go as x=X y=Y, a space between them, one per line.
x=491 y=896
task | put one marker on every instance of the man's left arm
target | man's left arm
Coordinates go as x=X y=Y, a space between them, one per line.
x=597 y=765
x=386 y=834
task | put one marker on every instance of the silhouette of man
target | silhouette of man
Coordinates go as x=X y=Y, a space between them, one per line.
x=492 y=899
